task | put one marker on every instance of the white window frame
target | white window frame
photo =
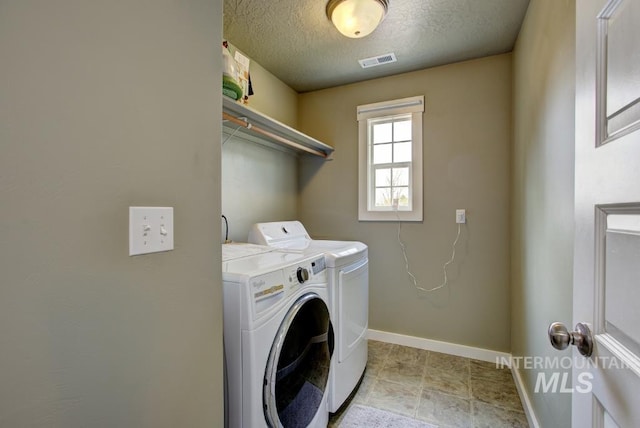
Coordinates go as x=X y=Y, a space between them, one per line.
x=413 y=106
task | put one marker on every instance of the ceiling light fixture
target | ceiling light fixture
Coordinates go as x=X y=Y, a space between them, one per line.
x=357 y=18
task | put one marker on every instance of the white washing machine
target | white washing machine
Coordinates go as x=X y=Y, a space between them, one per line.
x=278 y=338
x=348 y=270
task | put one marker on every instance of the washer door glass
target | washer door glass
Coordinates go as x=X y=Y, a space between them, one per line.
x=298 y=366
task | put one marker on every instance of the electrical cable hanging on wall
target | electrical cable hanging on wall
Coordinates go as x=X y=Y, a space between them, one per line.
x=226 y=233
x=444 y=266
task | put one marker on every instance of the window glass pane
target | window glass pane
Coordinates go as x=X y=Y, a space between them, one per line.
x=402 y=152
x=383 y=177
x=383 y=197
x=400 y=177
x=402 y=131
x=381 y=133
x=403 y=196
x=382 y=153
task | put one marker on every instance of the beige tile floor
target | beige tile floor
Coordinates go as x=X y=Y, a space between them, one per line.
x=443 y=390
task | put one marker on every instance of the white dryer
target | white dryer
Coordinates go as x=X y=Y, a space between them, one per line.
x=278 y=338
x=348 y=270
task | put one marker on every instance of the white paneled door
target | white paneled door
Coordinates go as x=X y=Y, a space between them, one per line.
x=606 y=385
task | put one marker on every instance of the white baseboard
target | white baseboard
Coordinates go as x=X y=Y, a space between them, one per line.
x=481 y=354
x=444 y=347
x=524 y=397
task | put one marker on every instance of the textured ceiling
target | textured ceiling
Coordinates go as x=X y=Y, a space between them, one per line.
x=295 y=40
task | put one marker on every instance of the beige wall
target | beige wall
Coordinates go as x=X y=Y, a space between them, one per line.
x=272 y=97
x=105 y=105
x=542 y=199
x=467 y=131
x=259 y=184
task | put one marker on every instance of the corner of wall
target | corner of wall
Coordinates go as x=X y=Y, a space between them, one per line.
x=542 y=164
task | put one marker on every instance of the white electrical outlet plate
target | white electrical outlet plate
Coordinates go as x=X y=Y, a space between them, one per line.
x=150 y=230
x=461 y=216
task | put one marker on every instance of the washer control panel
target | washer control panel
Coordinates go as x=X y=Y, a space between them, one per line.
x=269 y=289
x=318 y=265
x=302 y=274
x=312 y=271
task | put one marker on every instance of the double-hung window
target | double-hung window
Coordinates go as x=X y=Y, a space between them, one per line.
x=390 y=160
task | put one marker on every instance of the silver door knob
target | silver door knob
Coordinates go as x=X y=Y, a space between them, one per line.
x=561 y=338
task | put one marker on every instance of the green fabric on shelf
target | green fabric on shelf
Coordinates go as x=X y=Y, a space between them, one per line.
x=230 y=88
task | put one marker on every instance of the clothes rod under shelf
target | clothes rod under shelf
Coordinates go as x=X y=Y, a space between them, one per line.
x=278 y=138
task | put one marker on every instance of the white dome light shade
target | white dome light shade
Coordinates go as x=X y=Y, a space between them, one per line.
x=356 y=18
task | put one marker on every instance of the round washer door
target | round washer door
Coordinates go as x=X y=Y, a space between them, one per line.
x=298 y=366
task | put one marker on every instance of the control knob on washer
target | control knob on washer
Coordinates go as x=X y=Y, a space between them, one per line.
x=302 y=274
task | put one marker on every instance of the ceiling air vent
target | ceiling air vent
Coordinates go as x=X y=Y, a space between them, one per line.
x=377 y=60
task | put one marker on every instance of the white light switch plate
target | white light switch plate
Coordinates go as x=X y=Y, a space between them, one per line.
x=150 y=230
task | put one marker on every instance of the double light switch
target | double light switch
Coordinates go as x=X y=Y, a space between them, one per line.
x=150 y=230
